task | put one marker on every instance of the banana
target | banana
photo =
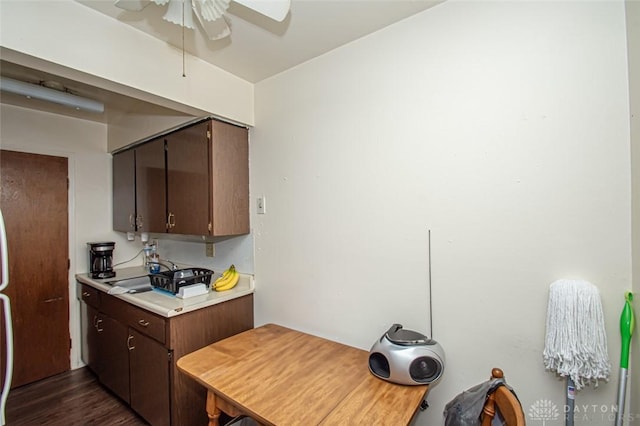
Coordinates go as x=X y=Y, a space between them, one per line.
x=221 y=281
x=224 y=282
x=225 y=275
x=228 y=285
x=227 y=281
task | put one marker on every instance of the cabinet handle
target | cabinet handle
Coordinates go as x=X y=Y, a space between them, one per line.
x=143 y=323
x=131 y=223
x=139 y=221
x=86 y=294
x=129 y=339
x=171 y=221
x=98 y=321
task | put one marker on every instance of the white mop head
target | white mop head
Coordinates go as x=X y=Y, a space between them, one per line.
x=576 y=343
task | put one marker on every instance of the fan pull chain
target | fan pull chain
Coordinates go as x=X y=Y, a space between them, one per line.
x=184 y=74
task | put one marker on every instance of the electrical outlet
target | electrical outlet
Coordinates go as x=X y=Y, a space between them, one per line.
x=210 y=250
x=261 y=204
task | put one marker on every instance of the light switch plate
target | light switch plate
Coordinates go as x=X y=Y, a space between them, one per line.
x=261 y=204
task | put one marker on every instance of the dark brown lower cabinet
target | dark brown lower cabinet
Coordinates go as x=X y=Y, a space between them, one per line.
x=88 y=319
x=149 y=363
x=113 y=366
x=133 y=352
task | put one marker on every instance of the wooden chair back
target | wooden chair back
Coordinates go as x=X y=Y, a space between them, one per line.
x=505 y=402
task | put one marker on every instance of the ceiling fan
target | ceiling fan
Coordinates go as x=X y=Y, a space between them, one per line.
x=209 y=13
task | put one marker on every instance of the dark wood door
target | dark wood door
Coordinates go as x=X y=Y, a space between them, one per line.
x=124 y=191
x=33 y=198
x=113 y=367
x=188 y=180
x=150 y=186
x=149 y=379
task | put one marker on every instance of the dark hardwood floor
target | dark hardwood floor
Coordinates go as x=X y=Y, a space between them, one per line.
x=71 y=398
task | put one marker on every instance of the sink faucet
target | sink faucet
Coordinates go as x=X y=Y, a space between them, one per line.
x=173 y=266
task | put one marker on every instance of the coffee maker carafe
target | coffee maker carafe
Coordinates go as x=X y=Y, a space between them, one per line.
x=101 y=260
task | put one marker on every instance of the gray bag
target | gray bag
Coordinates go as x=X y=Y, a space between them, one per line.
x=242 y=420
x=466 y=408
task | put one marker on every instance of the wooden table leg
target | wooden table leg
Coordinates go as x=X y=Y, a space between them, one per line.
x=212 y=409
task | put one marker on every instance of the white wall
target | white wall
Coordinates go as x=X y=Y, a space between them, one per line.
x=501 y=126
x=90 y=219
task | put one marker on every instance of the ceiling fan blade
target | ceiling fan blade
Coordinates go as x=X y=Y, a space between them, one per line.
x=215 y=30
x=211 y=9
x=179 y=13
x=274 y=9
x=132 y=5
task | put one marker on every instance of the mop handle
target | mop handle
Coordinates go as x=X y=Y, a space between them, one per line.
x=571 y=402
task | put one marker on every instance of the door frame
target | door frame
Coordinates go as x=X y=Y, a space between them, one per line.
x=75 y=360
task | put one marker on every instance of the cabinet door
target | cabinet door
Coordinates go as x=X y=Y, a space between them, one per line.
x=114 y=355
x=150 y=186
x=124 y=195
x=89 y=332
x=229 y=179
x=188 y=180
x=149 y=378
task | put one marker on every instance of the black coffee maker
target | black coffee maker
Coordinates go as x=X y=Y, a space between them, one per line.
x=101 y=260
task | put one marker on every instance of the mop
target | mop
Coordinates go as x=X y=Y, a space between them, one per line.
x=627 y=324
x=575 y=342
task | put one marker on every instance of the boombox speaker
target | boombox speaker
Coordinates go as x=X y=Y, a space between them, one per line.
x=406 y=357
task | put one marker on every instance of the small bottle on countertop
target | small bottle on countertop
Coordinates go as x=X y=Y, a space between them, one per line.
x=147 y=255
x=154 y=260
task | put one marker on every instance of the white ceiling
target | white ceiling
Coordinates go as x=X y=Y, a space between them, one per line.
x=257 y=48
x=260 y=47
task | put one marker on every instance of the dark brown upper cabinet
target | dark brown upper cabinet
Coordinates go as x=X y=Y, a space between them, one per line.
x=124 y=191
x=188 y=188
x=193 y=180
x=139 y=195
x=150 y=186
x=229 y=179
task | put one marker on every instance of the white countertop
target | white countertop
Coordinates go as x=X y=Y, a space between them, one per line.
x=166 y=304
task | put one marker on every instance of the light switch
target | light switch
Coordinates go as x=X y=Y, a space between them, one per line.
x=261 y=201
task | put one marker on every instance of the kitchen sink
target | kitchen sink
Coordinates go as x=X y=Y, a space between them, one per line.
x=133 y=284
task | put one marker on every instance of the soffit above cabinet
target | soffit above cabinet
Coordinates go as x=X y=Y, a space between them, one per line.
x=116 y=104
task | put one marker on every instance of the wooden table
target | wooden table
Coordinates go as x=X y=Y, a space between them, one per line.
x=280 y=376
